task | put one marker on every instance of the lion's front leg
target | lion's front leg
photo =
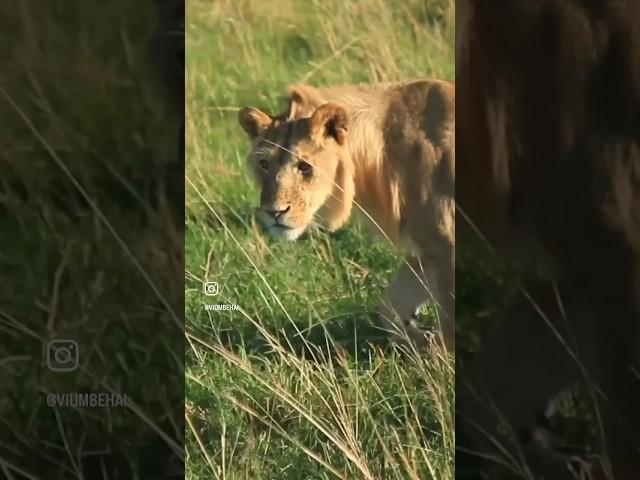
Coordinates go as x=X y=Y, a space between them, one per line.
x=404 y=295
x=441 y=272
x=417 y=282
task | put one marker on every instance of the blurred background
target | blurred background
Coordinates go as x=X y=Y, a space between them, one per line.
x=90 y=238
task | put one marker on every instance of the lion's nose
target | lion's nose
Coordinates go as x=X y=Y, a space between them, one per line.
x=277 y=213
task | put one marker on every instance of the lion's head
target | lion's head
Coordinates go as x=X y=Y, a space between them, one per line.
x=303 y=168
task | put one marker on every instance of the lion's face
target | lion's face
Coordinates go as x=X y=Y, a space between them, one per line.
x=296 y=163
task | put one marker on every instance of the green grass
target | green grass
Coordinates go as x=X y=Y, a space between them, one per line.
x=301 y=382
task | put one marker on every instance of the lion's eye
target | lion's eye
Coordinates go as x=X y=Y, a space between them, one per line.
x=305 y=168
x=263 y=164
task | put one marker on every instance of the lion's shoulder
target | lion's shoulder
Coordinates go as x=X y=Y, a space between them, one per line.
x=426 y=105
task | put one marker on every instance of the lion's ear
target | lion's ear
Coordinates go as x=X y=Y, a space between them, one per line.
x=329 y=121
x=300 y=104
x=253 y=121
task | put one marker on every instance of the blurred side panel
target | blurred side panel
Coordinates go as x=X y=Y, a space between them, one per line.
x=91 y=240
x=548 y=229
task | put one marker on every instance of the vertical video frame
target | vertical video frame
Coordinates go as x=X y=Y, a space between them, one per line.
x=319 y=239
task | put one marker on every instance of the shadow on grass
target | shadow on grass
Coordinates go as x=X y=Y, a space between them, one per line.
x=359 y=334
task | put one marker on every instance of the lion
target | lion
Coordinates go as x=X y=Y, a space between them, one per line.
x=387 y=150
x=549 y=176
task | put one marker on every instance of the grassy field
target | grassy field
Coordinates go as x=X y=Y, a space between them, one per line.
x=300 y=382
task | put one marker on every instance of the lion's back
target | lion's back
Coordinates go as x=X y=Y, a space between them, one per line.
x=419 y=139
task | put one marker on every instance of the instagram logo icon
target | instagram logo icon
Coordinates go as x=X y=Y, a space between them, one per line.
x=211 y=289
x=62 y=355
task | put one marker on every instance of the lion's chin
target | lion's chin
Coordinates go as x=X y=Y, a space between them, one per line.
x=285 y=233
